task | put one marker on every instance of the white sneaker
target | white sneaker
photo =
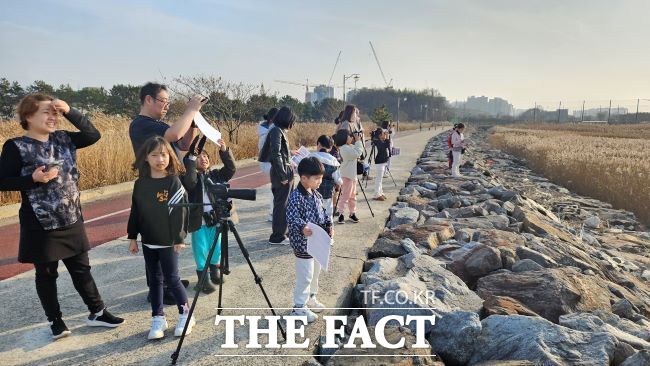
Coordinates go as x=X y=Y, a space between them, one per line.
x=158 y=327
x=314 y=305
x=304 y=311
x=181 y=324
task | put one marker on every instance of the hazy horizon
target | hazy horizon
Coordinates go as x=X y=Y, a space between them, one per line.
x=525 y=52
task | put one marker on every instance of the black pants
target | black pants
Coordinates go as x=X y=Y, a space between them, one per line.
x=79 y=269
x=162 y=264
x=280 y=198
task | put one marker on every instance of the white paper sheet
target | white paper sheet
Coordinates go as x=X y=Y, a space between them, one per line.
x=210 y=132
x=319 y=245
x=302 y=153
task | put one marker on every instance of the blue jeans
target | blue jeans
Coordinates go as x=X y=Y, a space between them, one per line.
x=163 y=264
x=201 y=242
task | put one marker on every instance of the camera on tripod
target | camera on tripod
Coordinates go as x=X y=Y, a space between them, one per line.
x=222 y=191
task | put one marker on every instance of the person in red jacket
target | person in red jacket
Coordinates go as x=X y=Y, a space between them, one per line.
x=450 y=157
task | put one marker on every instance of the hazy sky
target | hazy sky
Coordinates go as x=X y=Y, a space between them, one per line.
x=523 y=51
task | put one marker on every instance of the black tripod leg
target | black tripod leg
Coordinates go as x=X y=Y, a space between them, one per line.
x=336 y=205
x=224 y=265
x=364 y=196
x=370 y=157
x=391 y=177
x=258 y=279
x=204 y=276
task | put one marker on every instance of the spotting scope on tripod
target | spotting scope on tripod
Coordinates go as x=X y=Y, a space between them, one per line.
x=220 y=196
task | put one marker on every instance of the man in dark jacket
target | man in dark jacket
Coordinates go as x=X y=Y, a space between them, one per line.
x=202 y=220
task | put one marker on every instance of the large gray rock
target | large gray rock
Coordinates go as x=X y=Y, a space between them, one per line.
x=537 y=257
x=625 y=309
x=473 y=261
x=623 y=351
x=526 y=265
x=451 y=293
x=517 y=337
x=550 y=292
x=586 y=322
x=641 y=358
x=402 y=216
x=385 y=247
x=640 y=328
x=501 y=193
x=592 y=222
x=383 y=269
x=418 y=285
x=454 y=335
x=365 y=356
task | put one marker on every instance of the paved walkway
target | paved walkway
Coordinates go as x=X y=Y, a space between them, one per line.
x=26 y=337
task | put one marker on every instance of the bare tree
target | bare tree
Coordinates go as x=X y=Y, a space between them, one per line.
x=228 y=101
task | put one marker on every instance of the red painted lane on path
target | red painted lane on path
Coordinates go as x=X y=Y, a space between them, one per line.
x=105 y=221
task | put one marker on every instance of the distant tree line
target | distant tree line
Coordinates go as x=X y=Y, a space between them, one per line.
x=232 y=103
x=414 y=105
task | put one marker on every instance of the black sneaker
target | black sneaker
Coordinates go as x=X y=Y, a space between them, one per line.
x=341 y=219
x=353 y=218
x=106 y=319
x=59 y=330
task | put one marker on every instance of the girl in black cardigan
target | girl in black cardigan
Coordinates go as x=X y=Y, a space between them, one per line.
x=42 y=165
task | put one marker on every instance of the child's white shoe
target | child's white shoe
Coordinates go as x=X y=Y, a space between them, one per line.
x=314 y=305
x=158 y=327
x=182 y=319
x=304 y=311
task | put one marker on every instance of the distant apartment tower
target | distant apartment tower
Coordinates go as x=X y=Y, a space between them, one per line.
x=485 y=106
x=323 y=92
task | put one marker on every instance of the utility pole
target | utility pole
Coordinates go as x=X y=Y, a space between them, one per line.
x=636 y=119
x=345 y=77
x=582 y=117
x=609 y=111
x=558 y=112
x=535 y=113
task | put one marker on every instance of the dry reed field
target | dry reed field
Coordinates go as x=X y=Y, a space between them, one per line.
x=109 y=160
x=610 y=163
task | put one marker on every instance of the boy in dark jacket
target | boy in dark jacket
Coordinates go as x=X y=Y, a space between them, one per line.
x=202 y=222
x=332 y=175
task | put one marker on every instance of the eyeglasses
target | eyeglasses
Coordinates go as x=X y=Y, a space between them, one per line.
x=164 y=102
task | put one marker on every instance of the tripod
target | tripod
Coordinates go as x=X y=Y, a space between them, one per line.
x=224 y=225
x=336 y=205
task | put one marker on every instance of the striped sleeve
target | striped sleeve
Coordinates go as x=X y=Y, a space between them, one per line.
x=178 y=216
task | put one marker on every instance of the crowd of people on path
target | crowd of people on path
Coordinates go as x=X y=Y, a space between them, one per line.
x=173 y=168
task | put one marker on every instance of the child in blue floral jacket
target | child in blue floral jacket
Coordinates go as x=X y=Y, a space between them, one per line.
x=305 y=206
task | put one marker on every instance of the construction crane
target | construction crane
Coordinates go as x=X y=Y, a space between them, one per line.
x=388 y=84
x=329 y=83
x=306 y=85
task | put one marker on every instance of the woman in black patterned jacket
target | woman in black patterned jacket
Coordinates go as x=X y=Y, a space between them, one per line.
x=42 y=165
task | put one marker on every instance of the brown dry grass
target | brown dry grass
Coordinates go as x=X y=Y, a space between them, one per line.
x=613 y=166
x=109 y=160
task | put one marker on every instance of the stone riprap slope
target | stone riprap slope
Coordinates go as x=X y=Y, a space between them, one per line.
x=507 y=277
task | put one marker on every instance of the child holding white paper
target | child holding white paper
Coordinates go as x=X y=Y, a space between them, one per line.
x=306 y=206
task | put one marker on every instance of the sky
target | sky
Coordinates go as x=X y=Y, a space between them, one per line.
x=524 y=51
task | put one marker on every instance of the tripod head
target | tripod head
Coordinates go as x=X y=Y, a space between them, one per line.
x=221 y=195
